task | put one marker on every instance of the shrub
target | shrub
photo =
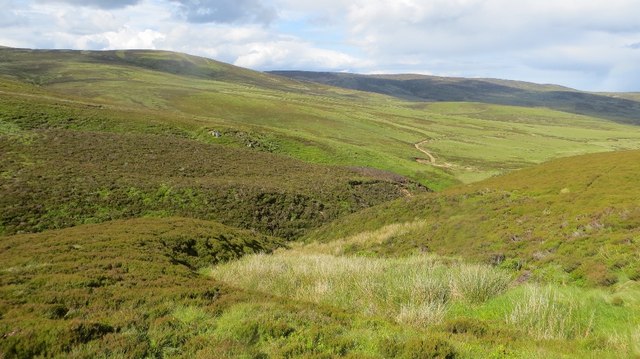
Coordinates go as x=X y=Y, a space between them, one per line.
x=431 y=347
x=466 y=325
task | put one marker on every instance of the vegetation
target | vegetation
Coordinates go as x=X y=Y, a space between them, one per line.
x=478 y=304
x=411 y=290
x=155 y=204
x=617 y=107
x=176 y=94
x=573 y=220
x=61 y=178
x=129 y=289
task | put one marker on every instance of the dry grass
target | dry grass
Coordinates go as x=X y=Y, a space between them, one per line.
x=545 y=314
x=375 y=237
x=414 y=290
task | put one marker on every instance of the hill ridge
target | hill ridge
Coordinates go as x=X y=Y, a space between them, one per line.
x=415 y=87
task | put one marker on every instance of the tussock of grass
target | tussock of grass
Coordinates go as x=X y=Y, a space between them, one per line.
x=545 y=314
x=413 y=290
x=477 y=284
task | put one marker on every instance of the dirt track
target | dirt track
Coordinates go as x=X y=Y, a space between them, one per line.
x=432 y=159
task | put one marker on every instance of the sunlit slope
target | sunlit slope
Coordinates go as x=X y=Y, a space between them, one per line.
x=569 y=220
x=59 y=178
x=132 y=289
x=129 y=289
x=151 y=91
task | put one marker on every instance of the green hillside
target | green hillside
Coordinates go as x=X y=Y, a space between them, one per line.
x=59 y=178
x=132 y=289
x=616 y=107
x=572 y=220
x=161 y=205
x=177 y=94
x=127 y=289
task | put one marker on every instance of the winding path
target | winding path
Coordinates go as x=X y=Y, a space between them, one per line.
x=432 y=159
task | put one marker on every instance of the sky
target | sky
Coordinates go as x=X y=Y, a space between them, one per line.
x=590 y=45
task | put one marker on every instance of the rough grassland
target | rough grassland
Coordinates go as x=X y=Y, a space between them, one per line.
x=168 y=92
x=570 y=220
x=484 y=312
x=127 y=138
x=128 y=289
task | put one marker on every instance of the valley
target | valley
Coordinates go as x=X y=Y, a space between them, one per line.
x=161 y=205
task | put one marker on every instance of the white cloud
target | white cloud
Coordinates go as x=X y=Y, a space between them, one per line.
x=103 y=4
x=586 y=44
x=294 y=54
x=124 y=38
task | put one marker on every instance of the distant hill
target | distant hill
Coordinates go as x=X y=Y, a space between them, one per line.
x=179 y=95
x=622 y=108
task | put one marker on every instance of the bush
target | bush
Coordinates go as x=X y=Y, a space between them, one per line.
x=466 y=326
x=431 y=347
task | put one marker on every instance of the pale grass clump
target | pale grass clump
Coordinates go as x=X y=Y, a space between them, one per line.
x=626 y=342
x=422 y=315
x=477 y=283
x=414 y=290
x=190 y=314
x=378 y=236
x=544 y=314
x=635 y=340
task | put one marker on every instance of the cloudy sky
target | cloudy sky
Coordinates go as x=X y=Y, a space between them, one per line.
x=585 y=44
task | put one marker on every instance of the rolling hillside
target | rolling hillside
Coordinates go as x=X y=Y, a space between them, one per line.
x=129 y=289
x=59 y=178
x=572 y=220
x=619 y=108
x=156 y=204
x=186 y=96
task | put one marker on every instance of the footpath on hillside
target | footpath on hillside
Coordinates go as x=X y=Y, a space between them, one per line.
x=432 y=159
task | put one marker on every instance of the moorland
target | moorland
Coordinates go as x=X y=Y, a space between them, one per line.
x=157 y=204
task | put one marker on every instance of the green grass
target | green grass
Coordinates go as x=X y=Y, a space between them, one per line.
x=131 y=289
x=478 y=304
x=539 y=263
x=573 y=220
x=166 y=92
x=409 y=290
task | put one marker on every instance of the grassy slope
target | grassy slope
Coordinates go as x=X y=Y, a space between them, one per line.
x=59 y=178
x=173 y=93
x=619 y=108
x=136 y=143
x=570 y=220
x=477 y=307
x=129 y=289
